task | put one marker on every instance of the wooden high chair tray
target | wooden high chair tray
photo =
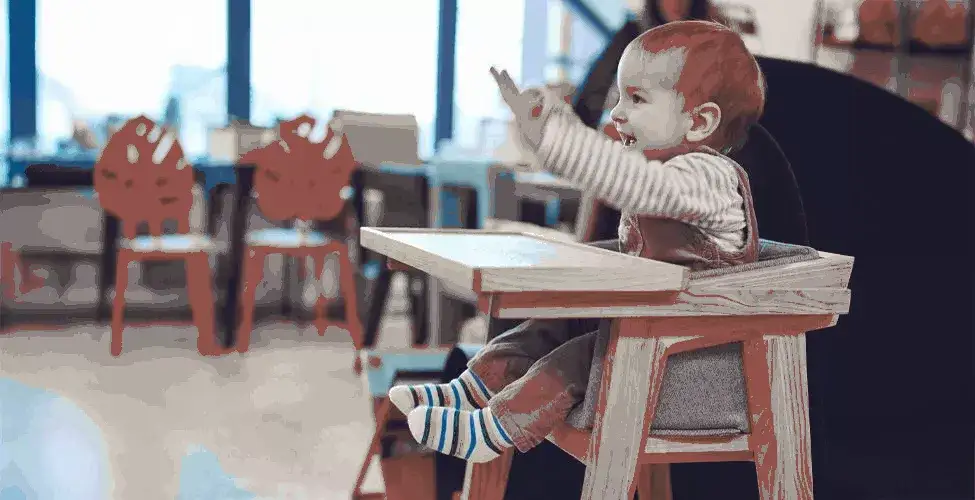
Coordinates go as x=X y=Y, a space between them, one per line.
x=520 y=275
x=488 y=261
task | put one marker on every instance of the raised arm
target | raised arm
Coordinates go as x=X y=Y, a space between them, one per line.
x=696 y=188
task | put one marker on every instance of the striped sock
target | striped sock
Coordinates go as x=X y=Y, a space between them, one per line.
x=475 y=436
x=466 y=392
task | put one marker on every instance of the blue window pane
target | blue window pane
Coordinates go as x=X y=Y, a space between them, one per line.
x=315 y=56
x=105 y=57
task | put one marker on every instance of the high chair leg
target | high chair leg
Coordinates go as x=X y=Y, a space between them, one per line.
x=653 y=482
x=319 y=263
x=778 y=400
x=118 y=303
x=199 y=284
x=489 y=480
x=253 y=272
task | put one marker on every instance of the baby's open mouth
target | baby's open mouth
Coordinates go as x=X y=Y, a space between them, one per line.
x=628 y=140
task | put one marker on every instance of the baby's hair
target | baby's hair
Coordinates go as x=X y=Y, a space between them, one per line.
x=717 y=68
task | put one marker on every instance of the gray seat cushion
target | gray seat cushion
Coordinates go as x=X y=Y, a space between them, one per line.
x=703 y=391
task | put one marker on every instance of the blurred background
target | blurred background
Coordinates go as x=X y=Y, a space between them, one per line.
x=414 y=75
x=75 y=68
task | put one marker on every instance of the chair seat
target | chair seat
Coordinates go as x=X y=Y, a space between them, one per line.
x=285 y=238
x=171 y=243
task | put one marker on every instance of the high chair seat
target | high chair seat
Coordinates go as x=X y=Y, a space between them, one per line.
x=285 y=238
x=171 y=243
x=703 y=391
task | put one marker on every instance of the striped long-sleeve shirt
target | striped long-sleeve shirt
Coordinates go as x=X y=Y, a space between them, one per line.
x=699 y=189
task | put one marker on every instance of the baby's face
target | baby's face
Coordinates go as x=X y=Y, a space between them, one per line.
x=650 y=114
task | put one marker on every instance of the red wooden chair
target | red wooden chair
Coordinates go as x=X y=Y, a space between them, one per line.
x=941 y=23
x=879 y=23
x=297 y=179
x=139 y=188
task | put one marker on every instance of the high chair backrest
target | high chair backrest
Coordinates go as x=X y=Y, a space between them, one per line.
x=139 y=181
x=297 y=178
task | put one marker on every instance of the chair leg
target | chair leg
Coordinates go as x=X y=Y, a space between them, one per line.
x=632 y=375
x=381 y=410
x=778 y=401
x=653 y=482
x=118 y=303
x=7 y=266
x=199 y=284
x=489 y=480
x=253 y=272
x=347 y=283
x=319 y=263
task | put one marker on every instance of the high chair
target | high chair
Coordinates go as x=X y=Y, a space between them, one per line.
x=140 y=188
x=297 y=179
x=658 y=310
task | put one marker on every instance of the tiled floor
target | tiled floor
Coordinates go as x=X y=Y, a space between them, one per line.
x=287 y=420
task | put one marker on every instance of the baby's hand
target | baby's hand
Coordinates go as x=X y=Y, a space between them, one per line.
x=527 y=106
x=521 y=104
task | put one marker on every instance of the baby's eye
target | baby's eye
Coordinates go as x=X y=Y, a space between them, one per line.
x=637 y=99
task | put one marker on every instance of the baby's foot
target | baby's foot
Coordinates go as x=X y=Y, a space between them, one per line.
x=466 y=392
x=475 y=436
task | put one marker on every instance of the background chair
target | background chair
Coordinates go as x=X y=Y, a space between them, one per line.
x=300 y=180
x=142 y=183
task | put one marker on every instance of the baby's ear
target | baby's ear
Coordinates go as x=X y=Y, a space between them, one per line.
x=705 y=120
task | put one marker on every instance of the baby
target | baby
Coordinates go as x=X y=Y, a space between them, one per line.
x=689 y=93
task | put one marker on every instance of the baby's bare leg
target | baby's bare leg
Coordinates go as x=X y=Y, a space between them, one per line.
x=510 y=355
x=530 y=407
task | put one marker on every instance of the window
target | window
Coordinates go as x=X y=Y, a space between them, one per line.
x=488 y=34
x=315 y=56
x=583 y=44
x=4 y=80
x=556 y=59
x=118 y=57
x=586 y=45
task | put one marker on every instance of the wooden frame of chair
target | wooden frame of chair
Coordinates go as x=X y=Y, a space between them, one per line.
x=774 y=367
x=139 y=189
x=767 y=309
x=299 y=179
